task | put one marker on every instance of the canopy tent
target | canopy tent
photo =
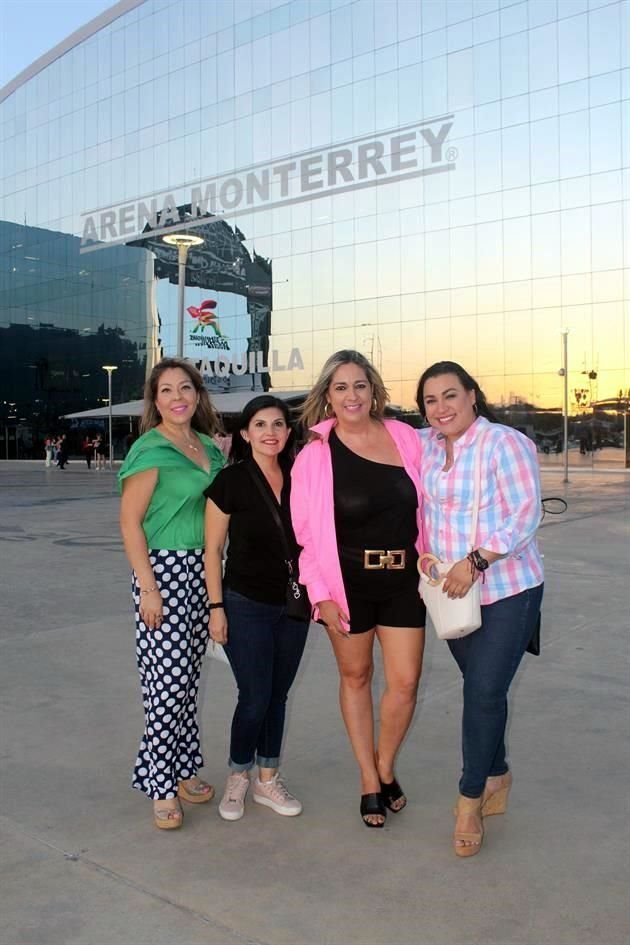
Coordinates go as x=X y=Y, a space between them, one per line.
x=230 y=403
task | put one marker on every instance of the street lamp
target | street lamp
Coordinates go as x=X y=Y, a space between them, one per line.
x=564 y=373
x=110 y=368
x=183 y=242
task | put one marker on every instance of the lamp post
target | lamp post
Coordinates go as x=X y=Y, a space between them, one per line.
x=564 y=373
x=110 y=368
x=183 y=242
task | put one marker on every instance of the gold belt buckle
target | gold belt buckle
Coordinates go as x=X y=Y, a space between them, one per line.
x=393 y=560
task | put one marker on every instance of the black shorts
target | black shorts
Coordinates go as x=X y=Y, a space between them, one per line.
x=404 y=609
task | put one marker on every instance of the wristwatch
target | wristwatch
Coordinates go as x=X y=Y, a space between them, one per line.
x=478 y=560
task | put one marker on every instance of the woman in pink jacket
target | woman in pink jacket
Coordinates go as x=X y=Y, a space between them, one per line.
x=356 y=510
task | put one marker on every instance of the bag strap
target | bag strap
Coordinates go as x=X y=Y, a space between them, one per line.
x=477 y=489
x=273 y=508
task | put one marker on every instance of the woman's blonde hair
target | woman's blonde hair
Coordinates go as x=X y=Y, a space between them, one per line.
x=314 y=407
x=205 y=419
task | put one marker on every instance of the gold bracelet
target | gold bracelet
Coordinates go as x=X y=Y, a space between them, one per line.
x=148 y=590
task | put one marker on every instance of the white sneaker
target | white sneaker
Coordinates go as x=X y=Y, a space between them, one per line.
x=232 y=806
x=275 y=795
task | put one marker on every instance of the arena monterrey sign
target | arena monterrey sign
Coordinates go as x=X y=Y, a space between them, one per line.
x=417 y=150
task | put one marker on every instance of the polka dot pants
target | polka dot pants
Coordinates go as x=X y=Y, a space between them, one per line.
x=169 y=663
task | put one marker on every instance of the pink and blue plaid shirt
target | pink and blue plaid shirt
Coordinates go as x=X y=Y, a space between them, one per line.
x=509 y=507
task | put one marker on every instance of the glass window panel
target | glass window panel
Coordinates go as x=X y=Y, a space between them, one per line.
x=625 y=34
x=489 y=248
x=515 y=156
x=608 y=324
x=608 y=286
x=487 y=72
x=544 y=150
x=343 y=315
x=574 y=145
x=546 y=245
x=405 y=99
x=576 y=240
x=607 y=228
x=545 y=197
x=434 y=87
x=363 y=107
x=543 y=56
x=490 y=358
x=433 y=15
x=457 y=10
x=518 y=349
x=299 y=49
x=341 y=33
x=517 y=258
x=546 y=292
x=514 y=19
x=518 y=295
x=459 y=36
x=486 y=27
x=365 y=271
x=573 y=48
x=320 y=51
x=434 y=45
x=388 y=267
x=605 y=136
x=409 y=51
x=460 y=80
x=438 y=304
x=225 y=75
x=437 y=263
x=463 y=256
x=514 y=65
x=322 y=277
x=412 y=263
x=488 y=161
x=385 y=24
x=413 y=349
x=577 y=288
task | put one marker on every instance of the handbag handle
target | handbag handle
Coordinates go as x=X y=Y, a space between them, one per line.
x=275 y=514
x=477 y=490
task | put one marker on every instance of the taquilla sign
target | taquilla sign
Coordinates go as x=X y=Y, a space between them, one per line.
x=417 y=150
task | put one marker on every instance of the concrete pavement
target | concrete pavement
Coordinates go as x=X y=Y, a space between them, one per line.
x=81 y=863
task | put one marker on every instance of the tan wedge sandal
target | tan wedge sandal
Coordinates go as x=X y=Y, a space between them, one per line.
x=495 y=802
x=468 y=842
x=199 y=793
x=168 y=818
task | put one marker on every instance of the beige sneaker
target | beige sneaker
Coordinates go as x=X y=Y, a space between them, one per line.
x=232 y=806
x=275 y=795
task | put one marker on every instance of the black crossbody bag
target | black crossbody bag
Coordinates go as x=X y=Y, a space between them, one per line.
x=297 y=603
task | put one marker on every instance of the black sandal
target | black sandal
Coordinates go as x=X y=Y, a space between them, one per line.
x=393 y=792
x=371 y=805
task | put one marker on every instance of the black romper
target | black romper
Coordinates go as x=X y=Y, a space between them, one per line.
x=375 y=508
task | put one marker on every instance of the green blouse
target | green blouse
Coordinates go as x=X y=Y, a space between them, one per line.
x=175 y=516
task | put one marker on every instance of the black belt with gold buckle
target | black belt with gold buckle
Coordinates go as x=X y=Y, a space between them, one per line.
x=377 y=559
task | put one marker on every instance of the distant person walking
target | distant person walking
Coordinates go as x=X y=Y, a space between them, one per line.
x=62 y=451
x=49 y=450
x=87 y=448
x=102 y=451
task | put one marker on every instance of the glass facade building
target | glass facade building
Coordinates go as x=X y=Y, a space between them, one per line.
x=418 y=179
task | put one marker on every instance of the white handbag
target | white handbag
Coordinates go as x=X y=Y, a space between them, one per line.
x=457 y=617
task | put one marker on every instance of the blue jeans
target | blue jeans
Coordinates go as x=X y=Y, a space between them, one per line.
x=488 y=660
x=264 y=649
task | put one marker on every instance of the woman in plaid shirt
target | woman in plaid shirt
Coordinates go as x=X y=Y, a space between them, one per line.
x=505 y=558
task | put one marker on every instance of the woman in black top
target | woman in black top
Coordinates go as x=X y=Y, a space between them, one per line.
x=248 y=605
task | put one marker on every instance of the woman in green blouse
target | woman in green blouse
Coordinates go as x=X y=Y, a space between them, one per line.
x=162 y=523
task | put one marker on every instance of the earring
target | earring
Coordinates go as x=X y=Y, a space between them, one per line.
x=374 y=405
x=328 y=414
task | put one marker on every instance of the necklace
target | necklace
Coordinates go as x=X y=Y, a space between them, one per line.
x=191 y=446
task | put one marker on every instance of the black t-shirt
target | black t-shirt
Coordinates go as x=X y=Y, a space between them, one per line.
x=255 y=565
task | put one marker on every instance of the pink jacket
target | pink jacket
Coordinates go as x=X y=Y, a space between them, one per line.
x=313 y=514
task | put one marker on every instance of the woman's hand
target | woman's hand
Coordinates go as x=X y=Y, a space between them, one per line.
x=217 y=625
x=459 y=579
x=151 y=609
x=332 y=615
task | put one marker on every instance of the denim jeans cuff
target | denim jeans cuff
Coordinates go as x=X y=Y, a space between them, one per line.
x=267 y=762
x=236 y=767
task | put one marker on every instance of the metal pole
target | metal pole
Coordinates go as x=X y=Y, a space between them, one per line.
x=565 y=368
x=182 y=254
x=111 y=445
